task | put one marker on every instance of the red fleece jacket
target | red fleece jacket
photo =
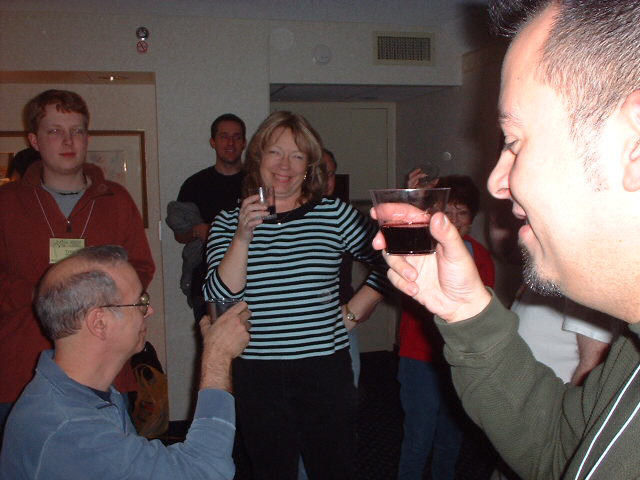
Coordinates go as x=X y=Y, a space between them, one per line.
x=419 y=338
x=111 y=217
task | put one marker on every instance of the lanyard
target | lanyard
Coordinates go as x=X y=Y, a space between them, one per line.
x=49 y=224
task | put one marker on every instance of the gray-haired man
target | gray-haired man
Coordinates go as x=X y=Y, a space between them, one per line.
x=70 y=423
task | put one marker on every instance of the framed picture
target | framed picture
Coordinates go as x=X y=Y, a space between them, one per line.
x=120 y=154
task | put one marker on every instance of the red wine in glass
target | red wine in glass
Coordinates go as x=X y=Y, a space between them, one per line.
x=408 y=238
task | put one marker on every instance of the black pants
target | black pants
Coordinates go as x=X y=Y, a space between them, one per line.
x=290 y=407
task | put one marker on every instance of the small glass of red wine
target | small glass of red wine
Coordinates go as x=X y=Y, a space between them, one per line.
x=404 y=215
x=268 y=198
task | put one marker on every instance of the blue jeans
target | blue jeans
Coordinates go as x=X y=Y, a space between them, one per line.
x=354 y=351
x=431 y=420
x=5 y=408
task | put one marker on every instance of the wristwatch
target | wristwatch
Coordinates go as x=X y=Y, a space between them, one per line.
x=349 y=315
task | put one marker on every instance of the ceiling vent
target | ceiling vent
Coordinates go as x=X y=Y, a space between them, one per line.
x=402 y=48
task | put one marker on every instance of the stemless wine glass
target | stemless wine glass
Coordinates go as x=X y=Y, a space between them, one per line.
x=268 y=198
x=217 y=306
x=404 y=215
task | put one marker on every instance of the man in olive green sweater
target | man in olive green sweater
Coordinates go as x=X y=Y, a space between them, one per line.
x=570 y=111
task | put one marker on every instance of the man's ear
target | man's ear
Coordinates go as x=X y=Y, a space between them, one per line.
x=96 y=322
x=631 y=115
x=212 y=142
x=33 y=140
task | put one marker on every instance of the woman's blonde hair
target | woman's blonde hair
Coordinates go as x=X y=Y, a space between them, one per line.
x=307 y=140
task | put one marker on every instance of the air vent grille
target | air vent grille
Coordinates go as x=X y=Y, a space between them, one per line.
x=402 y=48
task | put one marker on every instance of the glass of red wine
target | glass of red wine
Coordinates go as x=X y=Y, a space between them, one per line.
x=404 y=215
x=268 y=198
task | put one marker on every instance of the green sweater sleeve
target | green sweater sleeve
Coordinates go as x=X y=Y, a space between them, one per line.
x=531 y=417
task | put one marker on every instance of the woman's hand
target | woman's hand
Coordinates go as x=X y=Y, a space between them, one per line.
x=251 y=214
x=417 y=179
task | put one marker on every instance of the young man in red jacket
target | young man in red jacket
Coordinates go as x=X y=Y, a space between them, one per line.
x=61 y=205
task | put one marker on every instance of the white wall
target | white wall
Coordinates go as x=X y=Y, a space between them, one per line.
x=351 y=46
x=204 y=65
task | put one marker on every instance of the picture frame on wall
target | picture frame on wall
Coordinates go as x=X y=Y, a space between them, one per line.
x=120 y=154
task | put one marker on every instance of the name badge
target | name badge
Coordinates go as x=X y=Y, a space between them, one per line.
x=61 y=248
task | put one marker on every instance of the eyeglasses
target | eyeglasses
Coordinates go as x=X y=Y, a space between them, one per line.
x=143 y=304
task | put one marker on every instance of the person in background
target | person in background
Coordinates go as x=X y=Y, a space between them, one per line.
x=61 y=204
x=433 y=419
x=71 y=423
x=202 y=196
x=20 y=162
x=569 y=338
x=293 y=383
x=569 y=108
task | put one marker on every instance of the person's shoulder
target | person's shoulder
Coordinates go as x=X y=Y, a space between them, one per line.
x=477 y=246
x=201 y=176
x=118 y=191
x=327 y=203
x=10 y=189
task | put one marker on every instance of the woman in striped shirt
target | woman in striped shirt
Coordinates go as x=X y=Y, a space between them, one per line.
x=293 y=384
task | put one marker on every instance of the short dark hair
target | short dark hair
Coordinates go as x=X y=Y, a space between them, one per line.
x=307 y=140
x=61 y=306
x=591 y=56
x=64 y=100
x=463 y=191
x=331 y=156
x=228 y=117
x=22 y=160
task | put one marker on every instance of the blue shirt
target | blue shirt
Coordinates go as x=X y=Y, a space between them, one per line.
x=60 y=429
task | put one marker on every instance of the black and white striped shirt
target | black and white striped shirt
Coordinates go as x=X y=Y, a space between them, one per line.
x=292 y=286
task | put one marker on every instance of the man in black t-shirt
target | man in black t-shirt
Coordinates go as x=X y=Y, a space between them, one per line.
x=211 y=190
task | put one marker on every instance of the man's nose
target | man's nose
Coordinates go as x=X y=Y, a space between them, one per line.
x=498 y=183
x=66 y=138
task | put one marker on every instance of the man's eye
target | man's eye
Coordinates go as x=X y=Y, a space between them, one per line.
x=509 y=146
x=54 y=131
x=78 y=132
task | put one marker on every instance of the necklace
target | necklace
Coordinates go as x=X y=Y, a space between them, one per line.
x=66 y=192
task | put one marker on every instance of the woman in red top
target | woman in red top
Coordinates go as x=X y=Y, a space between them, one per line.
x=431 y=407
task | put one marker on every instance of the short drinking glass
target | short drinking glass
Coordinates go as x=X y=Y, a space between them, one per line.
x=218 y=306
x=404 y=215
x=268 y=198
